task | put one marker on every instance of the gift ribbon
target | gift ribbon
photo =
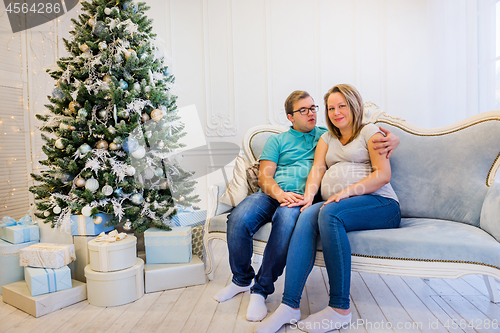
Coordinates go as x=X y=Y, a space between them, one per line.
x=102 y=250
x=51 y=283
x=82 y=226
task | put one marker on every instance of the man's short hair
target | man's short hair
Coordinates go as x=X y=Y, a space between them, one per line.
x=297 y=95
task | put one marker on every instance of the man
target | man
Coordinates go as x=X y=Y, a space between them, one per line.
x=285 y=163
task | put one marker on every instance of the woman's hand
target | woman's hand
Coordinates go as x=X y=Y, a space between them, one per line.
x=336 y=197
x=304 y=203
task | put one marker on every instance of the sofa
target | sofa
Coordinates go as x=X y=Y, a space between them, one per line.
x=449 y=198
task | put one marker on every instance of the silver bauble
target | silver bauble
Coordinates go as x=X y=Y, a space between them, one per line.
x=137 y=86
x=130 y=171
x=107 y=190
x=139 y=153
x=46 y=213
x=57 y=210
x=107 y=11
x=144 y=117
x=102 y=45
x=159 y=172
x=111 y=130
x=86 y=211
x=103 y=113
x=127 y=226
x=92 y=184
x=137 y=199
x=59 y=144
x=114 y=146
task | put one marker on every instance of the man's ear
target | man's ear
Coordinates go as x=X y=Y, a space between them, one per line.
x=290 y=117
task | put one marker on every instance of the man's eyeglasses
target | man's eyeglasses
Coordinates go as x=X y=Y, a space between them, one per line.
x=305 y=111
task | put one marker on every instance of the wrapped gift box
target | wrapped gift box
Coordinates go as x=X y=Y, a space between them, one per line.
x=109 y=257
x=47 y=280
x=18 y=295
x=86 y=225
x=82 y=257
x=10 y=270
x=47 y=255
x=18 y=234
x=159 y=277
x=115 y=288
x=168 y=247
x=188 y=217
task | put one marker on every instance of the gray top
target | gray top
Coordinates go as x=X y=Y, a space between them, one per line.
x=350 y=164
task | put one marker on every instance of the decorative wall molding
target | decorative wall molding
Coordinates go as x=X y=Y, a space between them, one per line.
x=220 y=112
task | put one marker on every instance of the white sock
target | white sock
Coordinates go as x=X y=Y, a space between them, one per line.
x=324 y=321
x=257 y=309
x=229 y=292
x=283 y=315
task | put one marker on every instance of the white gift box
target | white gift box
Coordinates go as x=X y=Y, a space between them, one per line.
x=10 y=270
x=47 y=255
x=82 y=257
x=113 y=256
x=47 y=280
x=115 y=288
x=159 y=277
x=18 y=295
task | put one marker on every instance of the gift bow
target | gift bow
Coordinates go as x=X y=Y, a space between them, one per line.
x=113 y=236
x=10 y=221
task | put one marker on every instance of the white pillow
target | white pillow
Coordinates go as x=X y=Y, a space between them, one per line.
x=237 y=189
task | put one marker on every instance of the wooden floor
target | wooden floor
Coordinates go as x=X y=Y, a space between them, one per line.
x=379 y=304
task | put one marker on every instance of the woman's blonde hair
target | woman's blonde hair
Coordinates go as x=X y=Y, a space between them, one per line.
x=355 y=105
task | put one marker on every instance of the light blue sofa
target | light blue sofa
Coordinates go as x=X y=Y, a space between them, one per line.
x=450 y=203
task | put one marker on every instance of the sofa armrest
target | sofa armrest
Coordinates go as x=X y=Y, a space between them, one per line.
x=490 y=212
x=215 y=207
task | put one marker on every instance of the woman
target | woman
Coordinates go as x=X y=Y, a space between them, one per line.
x=354 y=182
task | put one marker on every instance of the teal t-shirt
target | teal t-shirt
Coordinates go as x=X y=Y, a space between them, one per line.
x=293 y=152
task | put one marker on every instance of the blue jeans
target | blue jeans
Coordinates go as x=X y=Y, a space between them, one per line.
x=332 y=223
x=243 y=222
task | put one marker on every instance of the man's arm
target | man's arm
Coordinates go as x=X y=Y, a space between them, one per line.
x=387 y=143
x=271 y=188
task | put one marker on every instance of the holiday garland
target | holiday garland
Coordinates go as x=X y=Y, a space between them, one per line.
x=113 y=129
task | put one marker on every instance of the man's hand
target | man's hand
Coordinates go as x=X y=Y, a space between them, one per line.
x=386 y=144
x=304 y=203
x=287 y=198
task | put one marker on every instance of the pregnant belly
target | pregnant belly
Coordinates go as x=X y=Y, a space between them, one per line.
x=342 y=175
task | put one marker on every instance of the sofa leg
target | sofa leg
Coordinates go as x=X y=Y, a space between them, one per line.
x=209 y=262
x=491 y=285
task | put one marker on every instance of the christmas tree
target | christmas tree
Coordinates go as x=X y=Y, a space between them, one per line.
x=112 y=132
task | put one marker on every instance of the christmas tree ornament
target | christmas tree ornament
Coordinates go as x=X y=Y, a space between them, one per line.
x=98 y=29
x=58 y=93
x=57 y=210
x=59 y=144
x=156 y=115
x=98 y=220
x=63 y=126
x=115 y=11
x=140 y=152
x=137 y=199
x=118 y=58
x=144 y=117
x=148 y=134
x=130 y=171
x=123 y=84
x=84 y=47
x=159 y=172
x=114 y=146
x=80 y=182
x=129 y=53
x=123 y=114
x=147 y=89
x=112 y=130
x=103 y=113
x=118 y=192
x=101 y=144
x=107 y=190
x=161 y=144
x=137 y=86
x=163 y=184
x=92 y=184
x=181 y=198
x=66 y=178
x=73 y=106
x=130 y=144
x=127 y=226
x=86 y=210
x=107 y=79
x=46 y=214
x=148 y=173
x=107 y=11
x=102 y=45
x=84 y=149
x=82 y=113
x=88 y=81
x=91 y=21
x=118 y=140
x=67 y=112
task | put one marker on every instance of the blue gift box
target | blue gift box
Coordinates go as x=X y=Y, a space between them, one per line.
x=189 y=217
x=18 y=234
x=168 y=247
x=47 y=280
x=86 y=225
x=10 y=270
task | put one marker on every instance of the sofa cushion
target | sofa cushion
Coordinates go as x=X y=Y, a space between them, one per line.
x=238 y=188
x=444 y=176
x=428 y=239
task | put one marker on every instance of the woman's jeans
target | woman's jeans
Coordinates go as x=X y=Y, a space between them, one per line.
x=243 y=222
x=332 y=223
